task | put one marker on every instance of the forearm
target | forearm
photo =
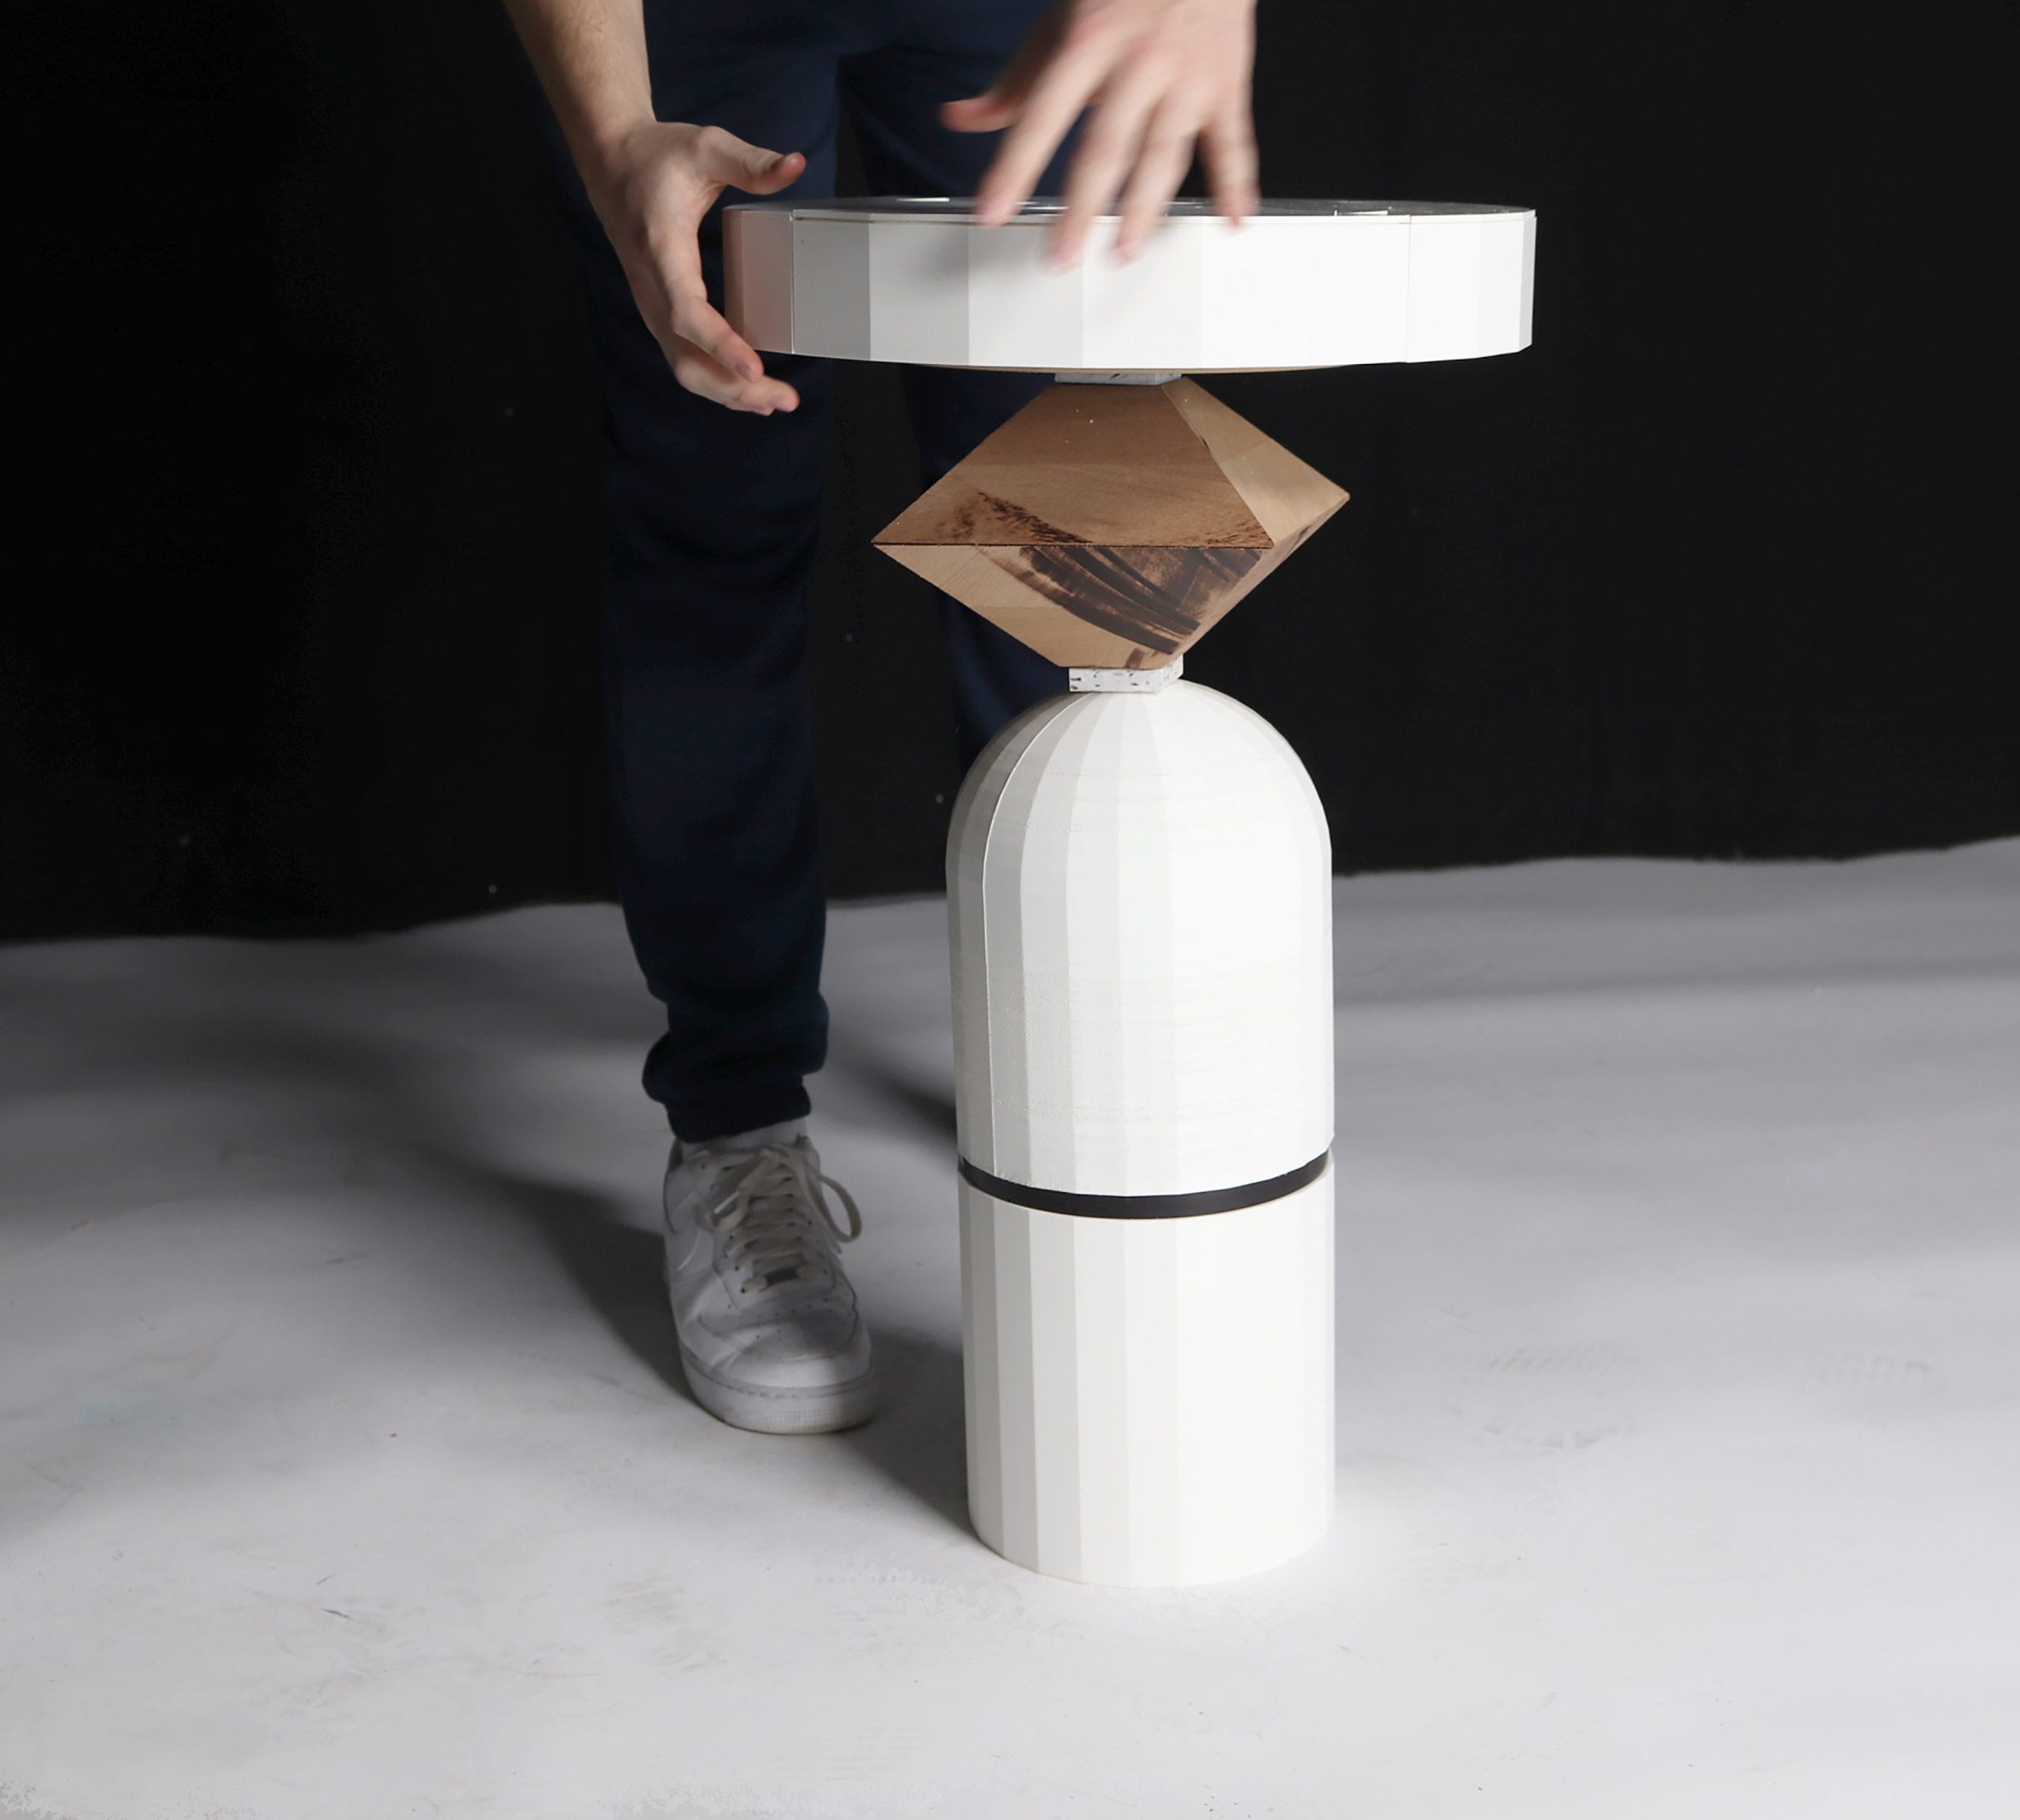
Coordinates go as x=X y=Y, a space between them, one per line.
x=589 y=55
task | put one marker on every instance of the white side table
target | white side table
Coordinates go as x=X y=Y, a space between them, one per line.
x=1139 y=876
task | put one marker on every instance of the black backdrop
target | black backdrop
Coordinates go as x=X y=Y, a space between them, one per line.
x=302 y=633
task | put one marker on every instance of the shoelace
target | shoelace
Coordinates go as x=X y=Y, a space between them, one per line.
x=765 y=1216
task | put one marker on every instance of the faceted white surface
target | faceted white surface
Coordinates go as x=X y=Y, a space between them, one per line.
x=1140 y=945
x=340 y=1474
x=1141 y=927
x=1149 y=1401
x=1301 y=284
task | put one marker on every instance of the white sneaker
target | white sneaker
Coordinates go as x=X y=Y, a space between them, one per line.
x=769 y=1330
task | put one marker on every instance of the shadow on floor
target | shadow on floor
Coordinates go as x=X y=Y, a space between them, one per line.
x=428 y=1109
x=916 y=1441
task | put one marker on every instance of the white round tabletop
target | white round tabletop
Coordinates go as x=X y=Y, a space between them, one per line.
x=1302 y=283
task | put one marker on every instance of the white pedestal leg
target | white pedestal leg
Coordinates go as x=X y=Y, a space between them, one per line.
x=1140 y=897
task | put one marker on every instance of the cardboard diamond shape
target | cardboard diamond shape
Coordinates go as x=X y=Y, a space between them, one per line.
x=1109 y=526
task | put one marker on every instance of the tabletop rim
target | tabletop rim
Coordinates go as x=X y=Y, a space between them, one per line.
x=1042 y=211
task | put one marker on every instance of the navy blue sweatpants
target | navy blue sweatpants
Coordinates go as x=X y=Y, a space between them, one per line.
x=712 y=521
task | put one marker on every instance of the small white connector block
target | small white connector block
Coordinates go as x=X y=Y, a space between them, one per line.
x=1125 y=681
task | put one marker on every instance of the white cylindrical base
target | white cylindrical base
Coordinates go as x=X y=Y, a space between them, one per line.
x=1140 y=897
x=1149 y=1401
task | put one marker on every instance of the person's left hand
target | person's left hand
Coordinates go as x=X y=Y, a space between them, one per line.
x=1161 y=75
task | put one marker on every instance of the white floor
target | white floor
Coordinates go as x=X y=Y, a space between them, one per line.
x=347 y=1473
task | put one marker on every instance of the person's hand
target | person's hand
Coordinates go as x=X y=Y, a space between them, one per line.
x=1161 y=75
x=651 y=188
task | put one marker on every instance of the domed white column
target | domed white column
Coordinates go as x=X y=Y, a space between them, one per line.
x=1139 y=900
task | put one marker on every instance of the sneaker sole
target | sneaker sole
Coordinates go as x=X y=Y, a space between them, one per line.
x=782 y=1411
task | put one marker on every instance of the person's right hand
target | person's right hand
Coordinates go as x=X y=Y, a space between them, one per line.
x=651 y=188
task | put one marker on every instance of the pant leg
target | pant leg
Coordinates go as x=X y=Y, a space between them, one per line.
x=713 y=521
x=945 y=49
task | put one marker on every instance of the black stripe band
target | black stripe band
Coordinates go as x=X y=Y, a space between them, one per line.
x=1147 y=1206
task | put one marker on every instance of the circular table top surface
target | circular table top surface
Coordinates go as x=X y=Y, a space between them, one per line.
x=1301 y=284
x=1041 y=210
